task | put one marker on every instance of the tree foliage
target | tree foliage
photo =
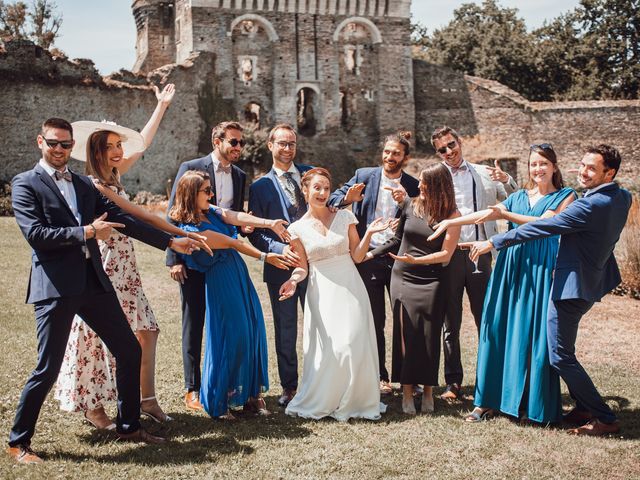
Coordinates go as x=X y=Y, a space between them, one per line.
x=37 y=21
x=589 y=53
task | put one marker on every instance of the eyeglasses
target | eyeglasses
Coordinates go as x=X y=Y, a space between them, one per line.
x=234 y=142
x=284 y=145
x=66 y=144
x=541 y=146
x=206 y=190
x=451 y=145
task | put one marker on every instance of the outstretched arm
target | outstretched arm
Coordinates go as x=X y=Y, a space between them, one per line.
x=150 y=129
x=491 y=213
x=443 y=256
x=299 y=273
x=242 y=219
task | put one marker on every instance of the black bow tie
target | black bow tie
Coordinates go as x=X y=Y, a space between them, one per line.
x=66 y=175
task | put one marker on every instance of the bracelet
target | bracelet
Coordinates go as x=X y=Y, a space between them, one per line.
x=95 y=233
x=263 y=257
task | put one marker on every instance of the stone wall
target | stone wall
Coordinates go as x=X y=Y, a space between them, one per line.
x=496 y=122
x=36 y=86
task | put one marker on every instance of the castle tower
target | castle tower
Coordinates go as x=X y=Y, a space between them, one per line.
x=155 y=41
x=317 y=64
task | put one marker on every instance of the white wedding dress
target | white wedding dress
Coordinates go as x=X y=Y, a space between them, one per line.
x=340 y=374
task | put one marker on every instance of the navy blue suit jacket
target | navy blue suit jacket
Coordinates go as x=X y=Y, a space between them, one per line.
x=268 y=200
x=205 y=164
x=56 y=238
x=589 y=227
x=365 y=210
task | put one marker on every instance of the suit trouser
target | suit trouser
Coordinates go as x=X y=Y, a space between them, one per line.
x=285 y=323
x=461 y=277
x=192 y=295
x=376 y=275
x=103 y=313
x=562 y=329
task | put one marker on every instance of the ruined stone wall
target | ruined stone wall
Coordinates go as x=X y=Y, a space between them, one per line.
x=496 y=122
x=35 y=87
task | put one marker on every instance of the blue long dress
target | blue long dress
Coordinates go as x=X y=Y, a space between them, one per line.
x=235 y=355
x=513 y=372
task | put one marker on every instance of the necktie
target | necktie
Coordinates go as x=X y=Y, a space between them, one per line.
x=66 y=175
x=461 y=168
x=222 y=169
x=294 y=194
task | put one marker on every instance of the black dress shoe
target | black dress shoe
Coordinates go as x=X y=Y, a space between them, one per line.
x=286 y=397
x=141 y=436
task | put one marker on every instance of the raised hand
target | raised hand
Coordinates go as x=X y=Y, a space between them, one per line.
x=166 y=95
x=408 y=258
x=291 y=258
x=354 y=194
x=476 y=248
x=440 y=228
x=378 y=225
x=201 y=240
x=277 y=261
x=184 y=245
x=497 y=174
x=495 y=209
x=279 y=227
x=398 y=193
x=287 y=289
x=103 y=228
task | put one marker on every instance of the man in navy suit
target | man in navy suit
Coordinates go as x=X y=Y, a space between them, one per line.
x=376 y=192
x=586 y=270
x=61 y=214
x=228 y=184
x=278 y=195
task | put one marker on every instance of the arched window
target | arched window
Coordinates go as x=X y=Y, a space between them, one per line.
x=307 y=106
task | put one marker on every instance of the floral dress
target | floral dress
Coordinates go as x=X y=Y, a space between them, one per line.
x=87 y=378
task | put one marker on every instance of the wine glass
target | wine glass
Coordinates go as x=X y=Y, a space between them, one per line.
x=476 y=269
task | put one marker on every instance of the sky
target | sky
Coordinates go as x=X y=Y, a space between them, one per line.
x=104 y=31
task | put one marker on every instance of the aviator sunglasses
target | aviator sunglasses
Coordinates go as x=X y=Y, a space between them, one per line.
x=234 y=142
x=541 y=146
x=451 y=145
x=66 y=144
x=206 y=190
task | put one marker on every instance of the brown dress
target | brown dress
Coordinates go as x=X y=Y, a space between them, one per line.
x=417 y=296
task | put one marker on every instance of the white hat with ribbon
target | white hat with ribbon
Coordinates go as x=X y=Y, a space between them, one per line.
x=132 y=141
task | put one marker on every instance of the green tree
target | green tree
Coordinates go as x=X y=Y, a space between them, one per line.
x=37 y=22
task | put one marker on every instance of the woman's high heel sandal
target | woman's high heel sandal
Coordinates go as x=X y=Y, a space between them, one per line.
x=99 y=419
x=155 y=413
x=408 y=406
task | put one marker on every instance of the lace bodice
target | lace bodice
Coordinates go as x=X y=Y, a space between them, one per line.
x=320 y=247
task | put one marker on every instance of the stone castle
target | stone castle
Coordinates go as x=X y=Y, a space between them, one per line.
x=341 y=71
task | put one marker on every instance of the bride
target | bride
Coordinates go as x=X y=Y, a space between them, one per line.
x=340 y=373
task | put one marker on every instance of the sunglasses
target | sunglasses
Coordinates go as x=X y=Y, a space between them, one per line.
x=284 y=145
x=234 y=142
x=451 y=145
x=541 y=146
x=66 y=144
x=206 y=190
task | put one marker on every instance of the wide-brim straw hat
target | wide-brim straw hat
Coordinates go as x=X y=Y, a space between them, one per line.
x=132 y=141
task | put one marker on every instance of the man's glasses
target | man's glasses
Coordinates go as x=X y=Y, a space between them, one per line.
x=66 y=144
x=283 y=145
x=206 y=190
x=451 y=145
x=234 y=142
x=541 y=146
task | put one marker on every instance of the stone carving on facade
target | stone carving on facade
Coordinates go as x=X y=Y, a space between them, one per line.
x=247 y=69
x=353 y=58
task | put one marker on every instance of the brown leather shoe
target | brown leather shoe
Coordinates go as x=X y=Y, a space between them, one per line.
x=23 y=454
x=192 y=401
x=596 y=428
x=451 y=393
x=577 y=417
x=257 y=406
x=286 y=397
x=140 y=436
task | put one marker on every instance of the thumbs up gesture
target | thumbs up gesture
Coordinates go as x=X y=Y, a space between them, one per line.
x=497 y=174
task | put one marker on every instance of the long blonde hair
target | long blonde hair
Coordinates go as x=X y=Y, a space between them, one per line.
x=185 y=207
x=97 y=165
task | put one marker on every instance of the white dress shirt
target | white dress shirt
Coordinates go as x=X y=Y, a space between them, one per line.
x=224 y=185
x=293 y=170
x=463 y=186
x=386 y=208
x=594 y=190
x=66 y=189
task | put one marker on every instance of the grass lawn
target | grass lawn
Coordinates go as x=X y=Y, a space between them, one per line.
x=440 y=445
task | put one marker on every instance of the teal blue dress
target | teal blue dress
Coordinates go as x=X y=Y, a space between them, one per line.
x=235 y=355
x=513 y=372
